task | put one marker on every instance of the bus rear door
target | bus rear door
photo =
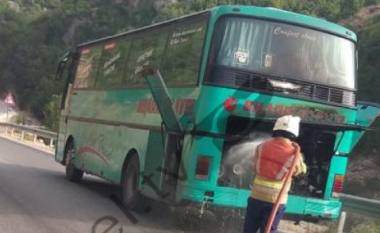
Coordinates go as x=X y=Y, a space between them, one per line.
x=66 y=69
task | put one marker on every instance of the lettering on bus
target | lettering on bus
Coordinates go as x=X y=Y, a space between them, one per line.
x=181 y=106
x=98 y=146
x=143 y=60
x=183 y=36
x=110 y=65
x=292 y=34
x=306 y=113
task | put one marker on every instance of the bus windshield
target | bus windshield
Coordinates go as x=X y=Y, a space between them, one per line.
x=284 y=50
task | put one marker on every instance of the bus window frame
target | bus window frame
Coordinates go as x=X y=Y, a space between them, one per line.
x=113 y=40
x=136 y=33
x=74 y=56
x=202 y=57
x=213 y=38
x=62 y=65
x=135 y=38
x=79 y=54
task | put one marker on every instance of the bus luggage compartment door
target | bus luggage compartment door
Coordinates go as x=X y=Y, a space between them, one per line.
x=173 y=135
x=367 y=114
x=164 y=102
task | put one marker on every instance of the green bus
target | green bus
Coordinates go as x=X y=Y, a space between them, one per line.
x=173 y=111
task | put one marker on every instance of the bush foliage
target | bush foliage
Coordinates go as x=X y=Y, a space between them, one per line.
x=34 y=34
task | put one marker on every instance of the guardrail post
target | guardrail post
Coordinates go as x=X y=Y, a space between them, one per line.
x=22 y=135
x=12 y=131
x=35 y=138
x=342 y=221
x=51 y=142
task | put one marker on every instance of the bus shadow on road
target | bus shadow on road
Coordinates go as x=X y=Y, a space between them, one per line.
x=160 y=217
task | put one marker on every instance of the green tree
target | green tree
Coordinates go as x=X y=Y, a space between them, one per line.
x=52 y=112
x=33 y=39
x=350 y=7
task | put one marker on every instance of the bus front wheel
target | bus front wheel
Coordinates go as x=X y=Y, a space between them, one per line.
x=72 y=173
x=132 y=198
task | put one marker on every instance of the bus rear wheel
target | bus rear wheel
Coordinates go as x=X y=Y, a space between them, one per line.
x=72 y=173
x=131 y=196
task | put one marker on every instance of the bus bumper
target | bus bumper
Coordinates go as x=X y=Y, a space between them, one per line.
x=222 y=197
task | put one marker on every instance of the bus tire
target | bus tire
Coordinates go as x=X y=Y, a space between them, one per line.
x=131 y=196
x=72 y=173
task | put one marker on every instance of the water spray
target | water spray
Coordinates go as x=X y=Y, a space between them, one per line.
x=240 y=156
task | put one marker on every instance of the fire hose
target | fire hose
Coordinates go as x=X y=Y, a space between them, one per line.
x=283 y=189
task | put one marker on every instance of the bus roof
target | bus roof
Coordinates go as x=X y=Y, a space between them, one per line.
x=144 y=28
x=261 y=12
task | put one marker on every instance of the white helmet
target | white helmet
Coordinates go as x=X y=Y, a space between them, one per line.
x=288 y=123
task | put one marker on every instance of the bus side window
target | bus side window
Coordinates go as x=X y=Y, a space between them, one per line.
x=111 y=67
x=66 y=72
x=184 y=52
x=87 y=68
x=147 y=49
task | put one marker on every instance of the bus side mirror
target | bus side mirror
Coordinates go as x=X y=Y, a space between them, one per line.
x=62 y=65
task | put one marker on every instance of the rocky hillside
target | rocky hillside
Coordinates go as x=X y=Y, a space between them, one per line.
x=35 y=33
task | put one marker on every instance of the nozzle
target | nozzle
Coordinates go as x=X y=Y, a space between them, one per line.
x=238 y=169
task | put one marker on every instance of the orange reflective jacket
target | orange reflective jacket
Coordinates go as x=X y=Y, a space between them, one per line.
x=274 y=159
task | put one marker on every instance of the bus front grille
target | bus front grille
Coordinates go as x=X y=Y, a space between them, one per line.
x=246 y=80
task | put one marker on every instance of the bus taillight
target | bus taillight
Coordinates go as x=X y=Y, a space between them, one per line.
x=230 y=104
x=338 y=185
x=202 y=168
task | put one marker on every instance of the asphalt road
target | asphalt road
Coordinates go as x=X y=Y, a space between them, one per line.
x=36 y=197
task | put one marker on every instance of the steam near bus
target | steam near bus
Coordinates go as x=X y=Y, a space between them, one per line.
x=224 y=76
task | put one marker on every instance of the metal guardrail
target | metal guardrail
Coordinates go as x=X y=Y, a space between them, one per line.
x=360 y=205
x=26 y=132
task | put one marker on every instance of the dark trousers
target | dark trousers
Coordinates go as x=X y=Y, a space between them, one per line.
x=257 y=216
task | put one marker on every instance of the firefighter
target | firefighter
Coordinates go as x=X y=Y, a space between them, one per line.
x=271 y=162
